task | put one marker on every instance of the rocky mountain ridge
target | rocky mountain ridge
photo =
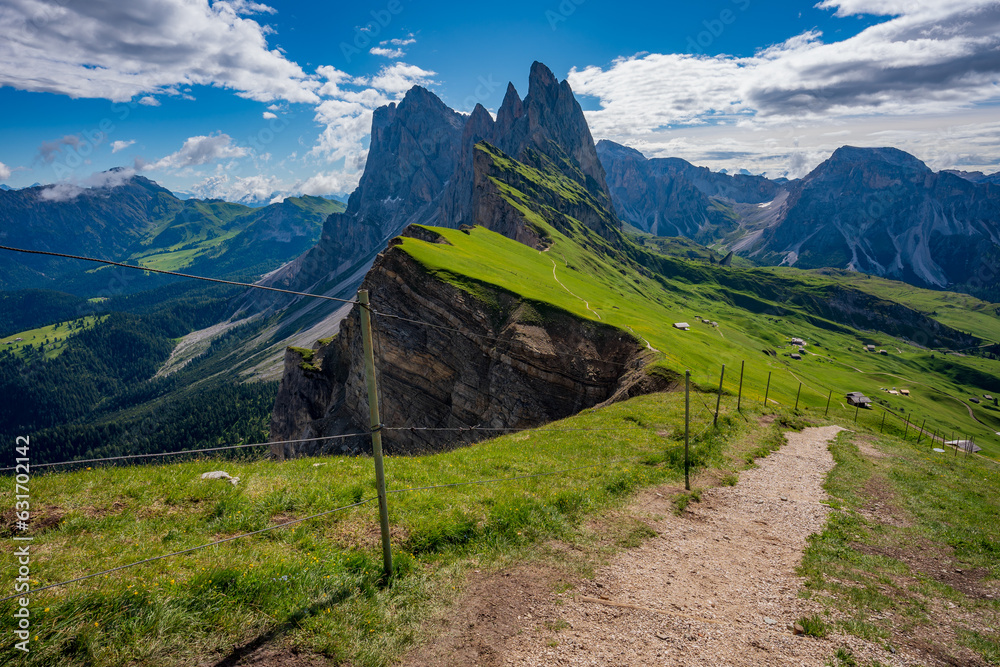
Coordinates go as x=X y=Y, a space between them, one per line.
x=421 y=170
x=874 y=210
x=494 y=361
x=672 y=197
x=455 y=349
x=883 y=211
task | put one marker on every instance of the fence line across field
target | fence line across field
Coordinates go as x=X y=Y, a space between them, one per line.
x=604 y=464
x=189 y=451
x=376 y=427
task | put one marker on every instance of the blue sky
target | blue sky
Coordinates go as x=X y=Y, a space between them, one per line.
x=240 y=98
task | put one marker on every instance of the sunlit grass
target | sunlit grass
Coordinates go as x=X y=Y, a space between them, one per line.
x=320 y=582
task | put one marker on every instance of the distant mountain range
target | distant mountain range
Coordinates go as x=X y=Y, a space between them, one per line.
x=872 y=210
x=976 y=176
x=136 y=220
x=875 y=210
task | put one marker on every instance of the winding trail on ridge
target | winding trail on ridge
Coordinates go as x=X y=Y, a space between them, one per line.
x=716 y=586
x=586 y=304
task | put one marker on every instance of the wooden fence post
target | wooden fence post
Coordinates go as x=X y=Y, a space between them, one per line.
x=739 y=399
x=718 y=400
x=687 y=430
x=376 y=426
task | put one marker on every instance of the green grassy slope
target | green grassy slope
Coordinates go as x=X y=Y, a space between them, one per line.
x=53 y=337
x=759 y=310
x=961 y=311
x=219 y=235
x=316 y=585
x=931 y=544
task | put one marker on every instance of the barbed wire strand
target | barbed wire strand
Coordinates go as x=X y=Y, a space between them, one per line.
x=175 y=273
x=186 y=551
x=191 y=451
x=513 y=430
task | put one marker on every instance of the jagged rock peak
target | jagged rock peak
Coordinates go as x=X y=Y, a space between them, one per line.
x=540 y=77
x=417 y=103
x=480 y=123
x=510 y=110
x=420 y=96
x=512 y=104
x=552 y=115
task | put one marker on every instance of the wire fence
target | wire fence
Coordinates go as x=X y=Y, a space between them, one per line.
x=746 y=393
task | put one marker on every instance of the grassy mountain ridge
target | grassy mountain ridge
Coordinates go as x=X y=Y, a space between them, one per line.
x=637 y=290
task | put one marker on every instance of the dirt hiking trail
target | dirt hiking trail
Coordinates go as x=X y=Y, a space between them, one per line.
x=717 y=586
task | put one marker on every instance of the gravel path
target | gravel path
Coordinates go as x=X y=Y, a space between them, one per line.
x=716 y=587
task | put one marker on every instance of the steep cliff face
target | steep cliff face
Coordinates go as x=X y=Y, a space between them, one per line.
x=421 y=169
x=514 y=365
x=412 y=156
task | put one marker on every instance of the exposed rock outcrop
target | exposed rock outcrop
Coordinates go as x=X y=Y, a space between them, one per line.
x=412 y=156
x=514 y=365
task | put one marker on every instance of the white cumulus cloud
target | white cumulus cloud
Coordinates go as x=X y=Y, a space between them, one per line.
x=269 y=115
x=398 y=78
x=4 y=171
x=923 y=60
x=388 y=53
x=199 y=150
x=329 y=183
x=118 y=146
x=142 y=48
x=404 y=41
